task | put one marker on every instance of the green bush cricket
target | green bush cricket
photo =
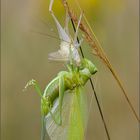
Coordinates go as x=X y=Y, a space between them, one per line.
x=79 y=72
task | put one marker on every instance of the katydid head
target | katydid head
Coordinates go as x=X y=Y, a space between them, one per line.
x=85 y=63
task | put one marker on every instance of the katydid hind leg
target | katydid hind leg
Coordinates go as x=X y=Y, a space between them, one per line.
x=76 y=33
x=67 y=23
x=62 y=34
x=61 y=96
x=47 y=107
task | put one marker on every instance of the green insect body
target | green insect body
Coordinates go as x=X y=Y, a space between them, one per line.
x=72 y=79
x=79 y=72
x=66 y=80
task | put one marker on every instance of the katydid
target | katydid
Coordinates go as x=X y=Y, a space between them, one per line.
x=79 y=72
x=75 y=77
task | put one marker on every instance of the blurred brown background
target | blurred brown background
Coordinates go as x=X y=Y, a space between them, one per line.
x=25 y=56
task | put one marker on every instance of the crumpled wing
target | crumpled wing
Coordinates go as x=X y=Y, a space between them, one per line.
x=74 y=117
x=57 y=56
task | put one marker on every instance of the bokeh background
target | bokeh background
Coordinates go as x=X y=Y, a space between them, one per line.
x=24 y=56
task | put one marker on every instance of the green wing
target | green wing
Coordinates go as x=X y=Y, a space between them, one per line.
x=74 y=117
x=78 y=115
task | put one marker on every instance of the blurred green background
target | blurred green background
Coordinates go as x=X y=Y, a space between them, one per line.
x=24 y=56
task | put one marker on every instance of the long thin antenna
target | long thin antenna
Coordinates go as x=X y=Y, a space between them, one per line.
x=48 y=35
x=92 y=85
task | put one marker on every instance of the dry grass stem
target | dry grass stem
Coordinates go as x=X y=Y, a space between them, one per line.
x=96 y=48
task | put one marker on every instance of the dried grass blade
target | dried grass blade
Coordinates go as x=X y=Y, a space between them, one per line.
x=94 y=43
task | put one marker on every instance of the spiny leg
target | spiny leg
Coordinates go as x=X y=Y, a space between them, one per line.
x=76 y=33
x=62 y=34
x=67 y=23
x=46 y=104
x=75 y=53
x=61 y=95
